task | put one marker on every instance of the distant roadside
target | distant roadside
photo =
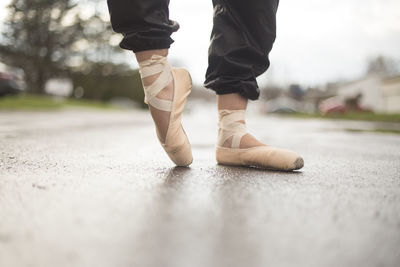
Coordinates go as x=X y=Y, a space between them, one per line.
x=33 y=102
x=359 y=116
x=377 y=122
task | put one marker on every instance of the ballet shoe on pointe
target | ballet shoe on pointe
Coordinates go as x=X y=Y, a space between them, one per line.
x=176 y=143
x=265 y=156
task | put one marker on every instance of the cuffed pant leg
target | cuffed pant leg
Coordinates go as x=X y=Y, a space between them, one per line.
x=144 y=24
x=241 y=39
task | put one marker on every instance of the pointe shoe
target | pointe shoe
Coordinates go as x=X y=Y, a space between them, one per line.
x=176 y=142
x=264 y=156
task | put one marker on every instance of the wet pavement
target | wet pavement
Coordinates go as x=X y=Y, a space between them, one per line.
x=94 y=188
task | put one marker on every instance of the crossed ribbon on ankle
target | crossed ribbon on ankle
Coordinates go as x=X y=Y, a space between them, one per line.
x=229 y=125
x=152 y=66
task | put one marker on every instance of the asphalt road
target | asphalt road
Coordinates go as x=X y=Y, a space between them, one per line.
x=94 y=188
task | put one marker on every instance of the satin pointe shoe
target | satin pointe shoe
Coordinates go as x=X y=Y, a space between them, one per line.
x=267 y=157
x=176 y=142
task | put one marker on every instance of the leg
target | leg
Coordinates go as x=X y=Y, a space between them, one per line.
x=236 y=101
x=146 y=28
x=241 y=39
x=145 y=25
x=160 y=117
x=235 y=146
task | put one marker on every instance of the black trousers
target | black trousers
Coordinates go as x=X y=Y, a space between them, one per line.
x=242 y=37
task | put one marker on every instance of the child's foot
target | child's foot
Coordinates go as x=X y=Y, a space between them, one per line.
x=237 y=147
x=161 y=82
x=161 y=117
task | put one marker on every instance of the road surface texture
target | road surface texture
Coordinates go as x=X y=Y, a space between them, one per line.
x=95 y=189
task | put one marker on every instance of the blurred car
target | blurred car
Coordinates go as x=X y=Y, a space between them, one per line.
x=332 y=105
x=337 y=105
x=9 y=84
x=11 y=80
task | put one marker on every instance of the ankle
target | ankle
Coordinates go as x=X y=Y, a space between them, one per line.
x=233 y=101
x=157 y=80
x=232 y=130
x=147 y=54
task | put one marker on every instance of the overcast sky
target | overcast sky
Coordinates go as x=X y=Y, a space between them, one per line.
x=317 y=40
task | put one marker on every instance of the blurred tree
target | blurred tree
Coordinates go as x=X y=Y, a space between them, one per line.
x=47 y=37
x=105 y=80
x=382 y=65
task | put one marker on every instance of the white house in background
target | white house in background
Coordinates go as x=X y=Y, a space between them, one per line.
x=379 y=93
x=370 y=87
x=59 y=87
x=391 y=94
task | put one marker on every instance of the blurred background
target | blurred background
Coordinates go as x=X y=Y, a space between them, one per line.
x=330 y=58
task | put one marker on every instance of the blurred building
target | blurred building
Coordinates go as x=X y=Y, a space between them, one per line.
x=368 y=89
x=294 y=99
x=279 y=100
x=391 y=94
x=375 y=92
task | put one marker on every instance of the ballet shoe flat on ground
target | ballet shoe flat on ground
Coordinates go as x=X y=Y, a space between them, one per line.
x=265 y=156
x=176 y=144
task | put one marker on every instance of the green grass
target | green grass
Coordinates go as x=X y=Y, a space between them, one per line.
x=36 y=102
x=388 y=131
x=359 y=116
